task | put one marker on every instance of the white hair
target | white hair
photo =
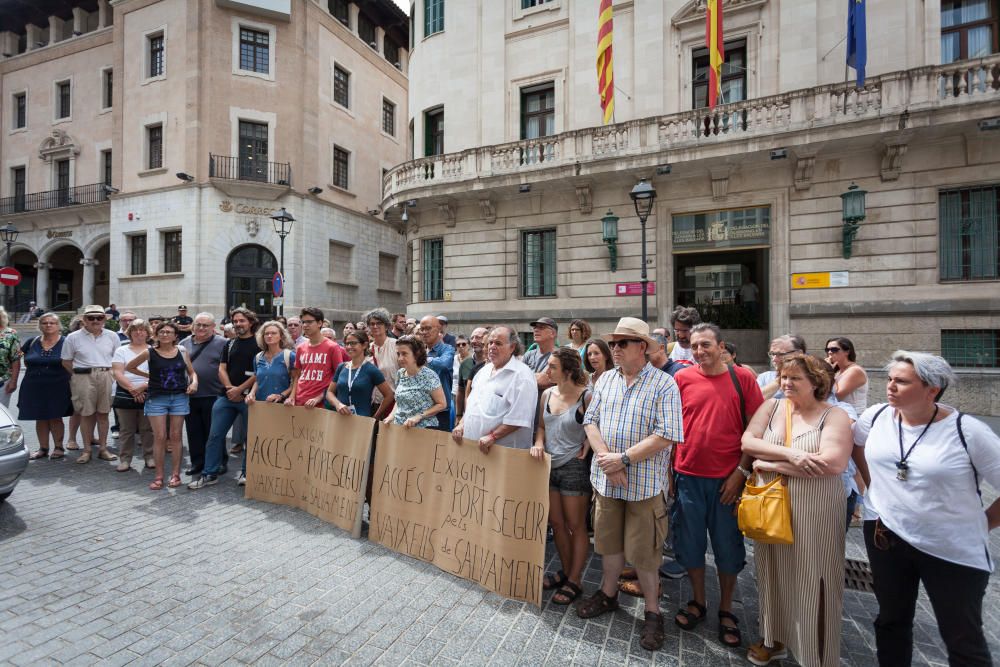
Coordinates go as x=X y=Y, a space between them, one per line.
x=932 y=370
x=205 y=314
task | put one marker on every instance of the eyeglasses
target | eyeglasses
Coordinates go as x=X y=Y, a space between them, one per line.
x=777 y=354
x=202 y=325
x=375 y=324
x=351 y=343
x=305 y=322
x=622 y=343
x=462 y=344
x=833 y=350
x=95 y=318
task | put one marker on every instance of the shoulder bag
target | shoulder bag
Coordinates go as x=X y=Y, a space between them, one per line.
x=765 y=512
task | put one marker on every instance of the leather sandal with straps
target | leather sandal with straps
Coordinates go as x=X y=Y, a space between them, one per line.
x=652 y=634
x=597 y=604
x=39 y=454
x=691 y=620
x=729 y=635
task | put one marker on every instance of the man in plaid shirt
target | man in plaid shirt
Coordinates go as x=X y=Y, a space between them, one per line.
x=633 y=420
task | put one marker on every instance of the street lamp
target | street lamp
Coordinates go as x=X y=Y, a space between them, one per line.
x=854 y=212
x=642 y=196
x=282 y=227
x=8 y=235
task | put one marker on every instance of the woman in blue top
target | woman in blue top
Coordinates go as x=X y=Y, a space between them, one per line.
x=272 y=372
x=350 y=393
x=419 y=395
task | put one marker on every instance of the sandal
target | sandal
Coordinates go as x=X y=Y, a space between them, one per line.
x=634 y=588
x=651 y=635
x=729 y=635
x=552 y=581
x=567 y=593
x=59 y=453
x=597 y=604
x=105 y=455
x=691 y=621
x=175 y=481
x=761 y=655
x=628 y=574
x=72 y=446
x=39 y=454
x=156 y=484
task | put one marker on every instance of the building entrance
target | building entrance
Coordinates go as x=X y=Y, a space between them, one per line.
x=249 y=271
x=722 y=285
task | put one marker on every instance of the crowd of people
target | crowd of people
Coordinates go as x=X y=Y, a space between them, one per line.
x=652 y=437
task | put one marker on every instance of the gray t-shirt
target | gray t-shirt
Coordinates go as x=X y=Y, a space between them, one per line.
x=536 y=360
x=206 y=364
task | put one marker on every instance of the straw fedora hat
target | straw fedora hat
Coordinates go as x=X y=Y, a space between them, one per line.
x=632 y=327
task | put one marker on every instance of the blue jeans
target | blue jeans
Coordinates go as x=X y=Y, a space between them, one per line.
x=224 y=414
x=697 y=514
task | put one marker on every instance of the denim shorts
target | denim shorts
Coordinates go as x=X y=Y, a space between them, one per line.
x=166 y=404
x=697 y=515
x=571 y=478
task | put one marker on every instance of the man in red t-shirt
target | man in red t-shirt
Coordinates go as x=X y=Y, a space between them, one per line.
x=315 y=361
x=710 y=472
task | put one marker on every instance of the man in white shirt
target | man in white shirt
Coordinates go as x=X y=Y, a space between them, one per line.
x=295 y=330
x=501 y=405
x=683 y=320
x=87 y=355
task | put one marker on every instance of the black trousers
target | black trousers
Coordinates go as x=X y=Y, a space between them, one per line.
x=198 y=424
x=955 y=591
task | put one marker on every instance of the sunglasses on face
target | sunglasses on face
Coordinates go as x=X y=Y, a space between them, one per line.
x=95 y=318
x=833 y=350
x=463 y=345
x=622 y=343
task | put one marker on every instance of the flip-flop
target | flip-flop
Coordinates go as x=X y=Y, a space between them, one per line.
x=156 y=484
x=39 y=454
x=59 y=453
x=174 y=482
x=72 y=446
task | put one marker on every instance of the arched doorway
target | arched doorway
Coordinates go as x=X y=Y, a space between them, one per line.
x=65 y=278
x=249 y=271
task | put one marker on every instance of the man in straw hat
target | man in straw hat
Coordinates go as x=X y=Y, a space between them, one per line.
x=633 y=421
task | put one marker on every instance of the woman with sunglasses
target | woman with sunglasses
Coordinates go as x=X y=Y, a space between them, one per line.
x=354 y=380
x=925 y=522
x=851 y=383
x=171 y=378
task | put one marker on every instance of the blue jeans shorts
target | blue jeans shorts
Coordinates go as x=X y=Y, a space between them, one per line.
x=166 y=404
x=697 y=515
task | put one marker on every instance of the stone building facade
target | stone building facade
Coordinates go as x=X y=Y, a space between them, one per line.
x=513 y=172
x=146 y=144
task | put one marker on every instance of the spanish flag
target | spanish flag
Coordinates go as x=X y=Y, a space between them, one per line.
x=605 y=61
x=716 y=51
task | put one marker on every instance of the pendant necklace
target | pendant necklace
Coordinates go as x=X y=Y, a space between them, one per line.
x=902 y=468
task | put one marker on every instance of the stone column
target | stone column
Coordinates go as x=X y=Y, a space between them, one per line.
x=88 y=280
x=104 y=16
x=79 y=20
x=42 y=285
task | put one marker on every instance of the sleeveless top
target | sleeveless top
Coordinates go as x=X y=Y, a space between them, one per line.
x=857 y=399
x=564 y=432
x=167 y=375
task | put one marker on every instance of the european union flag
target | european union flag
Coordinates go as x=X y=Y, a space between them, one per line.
x=857 y=39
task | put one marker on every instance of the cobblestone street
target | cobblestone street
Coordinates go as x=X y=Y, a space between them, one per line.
x=97 y=569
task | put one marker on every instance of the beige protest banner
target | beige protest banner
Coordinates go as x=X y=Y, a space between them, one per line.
x=480 y=517
x=313 y=459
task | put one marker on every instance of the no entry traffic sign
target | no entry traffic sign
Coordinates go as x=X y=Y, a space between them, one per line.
x=9 y=276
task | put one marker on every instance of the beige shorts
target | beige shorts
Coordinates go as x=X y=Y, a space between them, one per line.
x=91 y=392
x=637 y=528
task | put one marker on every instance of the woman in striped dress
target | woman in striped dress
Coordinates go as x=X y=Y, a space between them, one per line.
x=802 y=584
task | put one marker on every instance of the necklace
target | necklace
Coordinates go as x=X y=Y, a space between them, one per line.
x=902 y=468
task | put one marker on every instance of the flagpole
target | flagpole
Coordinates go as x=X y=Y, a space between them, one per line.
x=847 y=79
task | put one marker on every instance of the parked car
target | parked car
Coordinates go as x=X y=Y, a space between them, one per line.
x=13 y=453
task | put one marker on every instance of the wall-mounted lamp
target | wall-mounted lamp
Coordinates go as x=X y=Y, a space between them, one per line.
x=779 y=154
x=108 y=190
x=854 y=214
x=525 y=187
x=187 y=178
x=409 y=203
x=315 y=190
x=663 y=170
x=609 y=234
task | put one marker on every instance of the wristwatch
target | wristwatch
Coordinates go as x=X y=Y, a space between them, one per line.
x=626 y=461
x=746 y=473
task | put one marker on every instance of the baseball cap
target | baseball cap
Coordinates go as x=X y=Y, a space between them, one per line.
x=442 y=318
x=545 y=322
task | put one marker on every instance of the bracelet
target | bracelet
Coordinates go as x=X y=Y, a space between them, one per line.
x=746 y=473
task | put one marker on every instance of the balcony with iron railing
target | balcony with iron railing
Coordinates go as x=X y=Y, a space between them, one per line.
x=227 y=167
x=95 y=193
x=702 y=133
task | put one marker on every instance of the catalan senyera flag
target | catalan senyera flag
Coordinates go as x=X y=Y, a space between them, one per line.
x=716 y=51
x=605 y=61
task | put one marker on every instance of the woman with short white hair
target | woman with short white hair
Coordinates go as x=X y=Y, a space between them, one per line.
x=925 y=522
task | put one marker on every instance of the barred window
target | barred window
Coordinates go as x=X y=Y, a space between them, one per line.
x=20 y=110
x=63 y=101
x=971 y=348
x=254 y=50
x=137 y=252
x=969 y=243
x=388 y=117
x=432 y=260
x=172 y=252
x=341 y=164
x=538 y=263
x=156 y=55
x=106 y=167
x=154 y=143
x=108 y=91
x=341 y=87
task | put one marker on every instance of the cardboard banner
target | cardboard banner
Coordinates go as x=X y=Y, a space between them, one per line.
x=479 y=517
x=316 y=460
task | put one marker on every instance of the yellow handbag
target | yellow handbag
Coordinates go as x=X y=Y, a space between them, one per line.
x=765 y=512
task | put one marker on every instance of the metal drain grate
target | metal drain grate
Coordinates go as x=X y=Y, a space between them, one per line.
x=857 y=575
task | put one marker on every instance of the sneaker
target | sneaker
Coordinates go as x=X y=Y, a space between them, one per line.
x=241 y=480
x=671 y=569
x=760 y=655
x=203 y=481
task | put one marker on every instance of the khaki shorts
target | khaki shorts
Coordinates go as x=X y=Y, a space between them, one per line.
x=91 y=392
x=637 y=528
